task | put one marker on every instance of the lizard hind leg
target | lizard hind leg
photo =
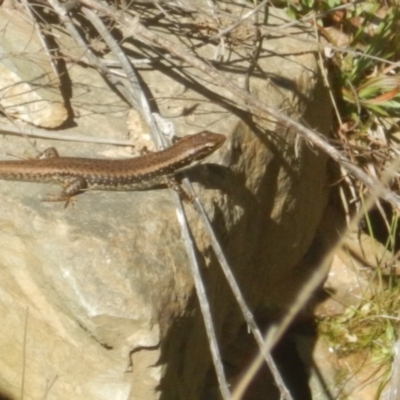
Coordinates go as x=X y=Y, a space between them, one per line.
x=72 y=188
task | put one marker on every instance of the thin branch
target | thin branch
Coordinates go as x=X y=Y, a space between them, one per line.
x=56 y=135
x=272 y=32
x=136 y=90
x=247 y=314
x=224 y=32
x=203 y=301
x=93 y=59
x=28 y=9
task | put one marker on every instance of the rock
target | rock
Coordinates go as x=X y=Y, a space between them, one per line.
x=29 y=85
x=97 y=299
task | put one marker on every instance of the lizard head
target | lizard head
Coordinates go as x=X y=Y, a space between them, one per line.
x=202 y=144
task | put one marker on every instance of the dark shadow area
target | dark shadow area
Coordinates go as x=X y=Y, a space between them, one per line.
x=292 y=367
x=6 y=396
x=186 y=348
x=293 y=354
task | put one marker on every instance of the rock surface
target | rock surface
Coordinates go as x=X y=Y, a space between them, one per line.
x=97 y=299
x=29 y=85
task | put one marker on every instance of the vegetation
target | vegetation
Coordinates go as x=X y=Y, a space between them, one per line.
x=361 y=42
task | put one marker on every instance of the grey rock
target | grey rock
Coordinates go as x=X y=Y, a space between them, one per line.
x=97 y=299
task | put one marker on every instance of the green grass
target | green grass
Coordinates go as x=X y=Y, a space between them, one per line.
x=367 y=327
x=366 y=83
